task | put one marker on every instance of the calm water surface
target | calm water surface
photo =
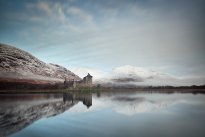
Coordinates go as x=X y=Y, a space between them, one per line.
x=110 y=114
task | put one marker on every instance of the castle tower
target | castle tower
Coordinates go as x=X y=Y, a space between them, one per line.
x=87 y=80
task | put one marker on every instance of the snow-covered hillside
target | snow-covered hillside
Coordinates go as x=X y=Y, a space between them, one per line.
x=18 y=64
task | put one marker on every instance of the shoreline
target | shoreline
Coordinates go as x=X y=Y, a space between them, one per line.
x=147 y=90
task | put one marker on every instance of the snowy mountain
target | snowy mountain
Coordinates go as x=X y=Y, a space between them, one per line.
x=18 y=65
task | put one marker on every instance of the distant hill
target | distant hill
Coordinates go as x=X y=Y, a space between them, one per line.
x=19 y=68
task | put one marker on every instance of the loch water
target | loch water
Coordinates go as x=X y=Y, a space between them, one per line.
x=105 y=114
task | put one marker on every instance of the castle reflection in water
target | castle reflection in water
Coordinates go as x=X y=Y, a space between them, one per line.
x=20 y=110
x=86 y=98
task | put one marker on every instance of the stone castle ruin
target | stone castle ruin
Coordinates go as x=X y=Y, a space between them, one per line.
x=68 y=83
x=86 y=82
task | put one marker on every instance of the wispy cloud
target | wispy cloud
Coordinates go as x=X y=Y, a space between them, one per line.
x=45 y=7
x=80 y=13
x=46 y=10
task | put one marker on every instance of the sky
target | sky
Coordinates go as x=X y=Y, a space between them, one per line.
x=137 y=41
